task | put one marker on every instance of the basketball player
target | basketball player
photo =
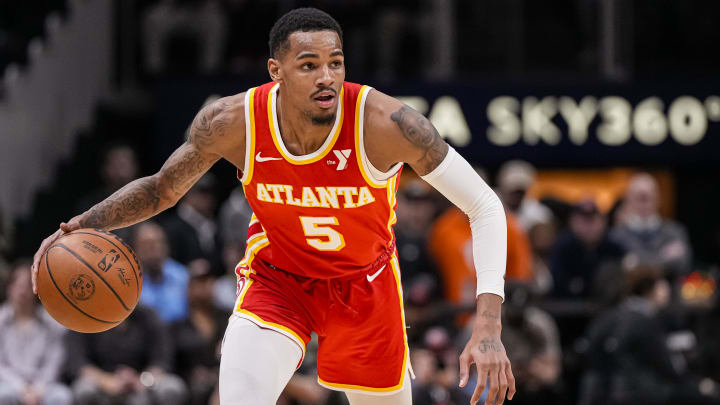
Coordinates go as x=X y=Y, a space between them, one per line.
x=319 y=159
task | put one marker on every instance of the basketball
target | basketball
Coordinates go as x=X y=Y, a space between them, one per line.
x=89 y=280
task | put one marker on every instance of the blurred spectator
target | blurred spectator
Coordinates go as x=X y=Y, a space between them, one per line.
x=630 y=362
x=707 y=324
x=234 y=218
x=184 y=35
x=31 y=349
x=532 y=341
x=129 y=363
x=197 y=337
x=513 y=181
x=450 y=243
x=165 y=281
x=415 y=212
x=436 y=370
x=582 y=251
x=119 y=167
x=643 y=232
x=225 y=288
x=5 y=246
x=192 y=230
x=542 y=238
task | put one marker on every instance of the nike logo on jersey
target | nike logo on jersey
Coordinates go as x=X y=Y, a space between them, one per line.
x=374 y=276
x=265 y=159
x=342 y=156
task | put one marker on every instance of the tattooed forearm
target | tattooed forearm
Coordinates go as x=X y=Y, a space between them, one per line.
x=133 y=203
x=490 y=344
x=419 y=131
x=183 y=169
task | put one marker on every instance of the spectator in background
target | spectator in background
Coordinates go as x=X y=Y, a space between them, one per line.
x=165 y=281
x=198 y=336
x=514 y=179
x=119 y=167
x=450 y=243
x=225 y=288
x=184 y=35
x=583 y=251
x=129 y=363
x=630 y=362
x=234 y=218
x=31 y=347
x=5 y=245
x=533 y=343
x=192 y=229
x=416 y=209
x=644 y=233
x=542 y=237
x=436 y=370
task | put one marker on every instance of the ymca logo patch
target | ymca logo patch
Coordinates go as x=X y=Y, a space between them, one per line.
x=342 y=156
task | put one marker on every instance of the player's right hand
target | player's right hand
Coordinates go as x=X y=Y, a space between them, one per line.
x=68 y=227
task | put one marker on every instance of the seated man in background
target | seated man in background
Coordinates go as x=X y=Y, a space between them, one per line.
x=197 y=338
x=582 y=252
x=630 y=362
x=31 y=349
x=130 y=363
x=644 y=233
x=165 y=280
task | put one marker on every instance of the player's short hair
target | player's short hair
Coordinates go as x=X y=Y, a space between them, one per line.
x=306 y=19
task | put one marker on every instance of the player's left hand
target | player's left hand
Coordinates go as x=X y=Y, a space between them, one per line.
x=488 y=353
x=72 y=225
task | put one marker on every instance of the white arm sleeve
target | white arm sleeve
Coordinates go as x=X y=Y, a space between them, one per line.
x=460 y=184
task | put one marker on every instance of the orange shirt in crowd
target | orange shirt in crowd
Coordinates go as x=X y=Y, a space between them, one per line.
x=450 y=244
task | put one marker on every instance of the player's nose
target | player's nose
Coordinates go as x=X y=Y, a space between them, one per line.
x=325 y=78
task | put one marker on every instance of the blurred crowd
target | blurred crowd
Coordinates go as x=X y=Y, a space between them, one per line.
x=601 y=307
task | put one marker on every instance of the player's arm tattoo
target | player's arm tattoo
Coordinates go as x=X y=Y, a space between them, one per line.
x=148 y=196
x=420 y=132
x=490 y=315
x=132 y=203
x=209 y=124
x=490 y=345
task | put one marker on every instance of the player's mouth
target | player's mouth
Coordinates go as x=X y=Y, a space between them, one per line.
x=325 y=98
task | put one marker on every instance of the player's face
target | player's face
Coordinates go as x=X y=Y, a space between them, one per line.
x=311 y=71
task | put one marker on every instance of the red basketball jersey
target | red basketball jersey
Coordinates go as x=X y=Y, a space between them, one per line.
x=320 y=215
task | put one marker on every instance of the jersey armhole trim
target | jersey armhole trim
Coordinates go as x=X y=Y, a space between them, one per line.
x=249 y=137
x=373 y=176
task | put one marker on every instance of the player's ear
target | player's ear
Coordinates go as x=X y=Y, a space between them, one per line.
x=274 y=70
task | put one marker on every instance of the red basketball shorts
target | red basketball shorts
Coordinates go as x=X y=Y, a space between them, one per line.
x=359 y=322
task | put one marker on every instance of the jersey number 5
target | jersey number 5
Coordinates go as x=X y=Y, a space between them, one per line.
x=320 y=235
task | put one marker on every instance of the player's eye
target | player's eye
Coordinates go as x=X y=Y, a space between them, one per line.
x=308 y=66
x=336 y=64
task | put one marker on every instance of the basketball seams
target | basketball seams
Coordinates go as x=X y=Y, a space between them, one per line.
x=83 y=261
x=47 y=267
x=127 y=247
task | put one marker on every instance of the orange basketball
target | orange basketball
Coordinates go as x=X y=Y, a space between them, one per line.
x=89 y=280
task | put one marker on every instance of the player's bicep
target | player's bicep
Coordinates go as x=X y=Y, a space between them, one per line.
x=409 y=136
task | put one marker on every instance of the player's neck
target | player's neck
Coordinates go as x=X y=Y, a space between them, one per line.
x=297 y=130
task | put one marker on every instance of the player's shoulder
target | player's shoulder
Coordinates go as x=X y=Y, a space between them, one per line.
x=379 y=108
x=227 y=107
x=223 y=115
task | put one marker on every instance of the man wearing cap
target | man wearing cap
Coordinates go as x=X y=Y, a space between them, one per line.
x=582 y=251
